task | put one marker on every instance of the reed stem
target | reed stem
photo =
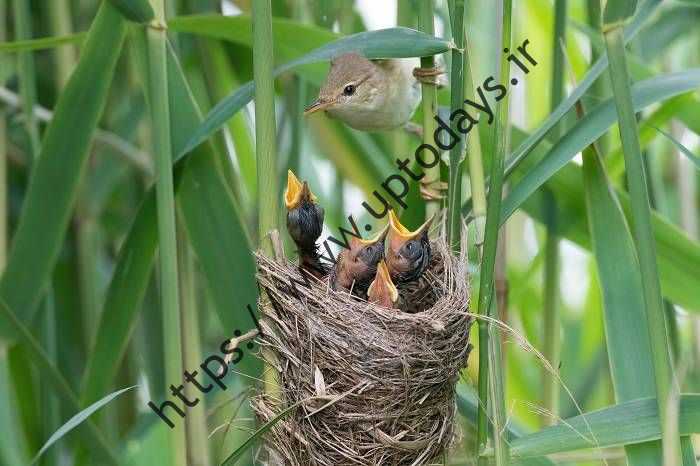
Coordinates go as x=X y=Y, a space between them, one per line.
x=474 y=158
x=265 y=139
x=3 y=162
x=27 y=76
x=666 y=385
x=165 y=199
x=454 y=188
x=195 y=422
x=490 y=357
x=551 y=324
x=61 y=25
x=426 y=23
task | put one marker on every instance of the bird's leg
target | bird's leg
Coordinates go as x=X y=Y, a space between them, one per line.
x=433 y=190
x=428 y=75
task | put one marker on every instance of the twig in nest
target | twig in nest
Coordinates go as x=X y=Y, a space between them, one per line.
x=234 y=342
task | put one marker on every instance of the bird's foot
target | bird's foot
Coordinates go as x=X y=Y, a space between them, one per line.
x=428 y=75
x=414 y=128
x=433 y=190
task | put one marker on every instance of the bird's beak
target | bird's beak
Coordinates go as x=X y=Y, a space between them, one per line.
x=376 y=238
x=399 y=234
x=356 y=243
x=296 y=191
x=382 y=284
x=316 y=105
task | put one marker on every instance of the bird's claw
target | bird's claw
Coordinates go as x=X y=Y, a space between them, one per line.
x=428 y=75
x=433 y=190
x=414 y=128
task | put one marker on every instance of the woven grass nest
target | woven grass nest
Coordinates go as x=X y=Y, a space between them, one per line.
x=373 y=386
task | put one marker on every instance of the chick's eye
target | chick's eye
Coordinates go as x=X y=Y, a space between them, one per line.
x=409 y=246
x=349 y=89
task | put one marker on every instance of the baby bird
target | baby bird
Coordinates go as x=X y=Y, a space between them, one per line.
x=357 y=265
x=382 y=290
x=408 y=252
x=371 y=95
x=304 y=223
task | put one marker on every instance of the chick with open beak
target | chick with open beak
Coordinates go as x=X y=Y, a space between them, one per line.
x=382 y=290
x=408 y=252
x=304 y=224
x=356 y=266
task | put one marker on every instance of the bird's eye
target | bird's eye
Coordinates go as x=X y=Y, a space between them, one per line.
x=349 y=89
x=409 y=246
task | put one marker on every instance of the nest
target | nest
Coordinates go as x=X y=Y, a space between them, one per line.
x=371 y=385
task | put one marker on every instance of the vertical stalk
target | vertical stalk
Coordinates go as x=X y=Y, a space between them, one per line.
x=265 y=125
x=27 y=77
x=600 y=85
x=405 y=17
x=13 y=435
x=686 y=176
x=489 y=353
x=265 y=137
x=345 y=21
x=476 y=166
x=552 y=326
x=195 y=422
x=25 y=70
x=551 y=322
x=297 y=98
x=48 y=403
x=454 y=185
x=666 y=385
x=653 y=165
x=426 y=23
x=3 y=162
x=61 y=25
x=165 y=198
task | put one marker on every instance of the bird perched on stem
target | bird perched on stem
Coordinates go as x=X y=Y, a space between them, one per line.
x=377 y=95
x=408 y=252
x=372 y=95
x=305 y=224
x=382 y=290
x=357 y=265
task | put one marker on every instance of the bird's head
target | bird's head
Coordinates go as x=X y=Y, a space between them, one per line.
x=304 y=214
x=408 y=252
x=352 y=85
x=360 y=259
x=382 y=290
x=297 y=192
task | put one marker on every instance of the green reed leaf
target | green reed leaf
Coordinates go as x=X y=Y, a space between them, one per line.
x=56 y=175
x=139 y=11
x=42 y=44
x=631 y=422
x=591 y=127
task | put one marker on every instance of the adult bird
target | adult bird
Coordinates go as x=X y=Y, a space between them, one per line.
x=376 y=95
x=372 y=95
x=408 y=252
x=305 y=224
x=382 y=290
x=356 y=266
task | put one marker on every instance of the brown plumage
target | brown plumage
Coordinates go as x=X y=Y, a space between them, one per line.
x=408 y=252
x=369 y=95
x=356 y=266
x=305 y=224
x=382 y=290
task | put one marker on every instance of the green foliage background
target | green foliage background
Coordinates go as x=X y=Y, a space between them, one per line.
x=104 y=104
